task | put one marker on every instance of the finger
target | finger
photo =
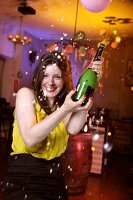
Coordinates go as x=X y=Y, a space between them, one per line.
x=89 y=103
x=91 y=100
x=87 y=106
x=81 y=100
x=71 y=93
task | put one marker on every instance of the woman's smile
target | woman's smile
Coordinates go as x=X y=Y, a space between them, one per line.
x=51 y=89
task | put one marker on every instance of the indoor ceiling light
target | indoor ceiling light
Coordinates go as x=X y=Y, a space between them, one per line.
x=18 y=39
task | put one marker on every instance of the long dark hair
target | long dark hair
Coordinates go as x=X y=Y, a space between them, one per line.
x=64 y=64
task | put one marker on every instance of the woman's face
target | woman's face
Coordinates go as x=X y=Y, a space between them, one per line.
x=52 y=82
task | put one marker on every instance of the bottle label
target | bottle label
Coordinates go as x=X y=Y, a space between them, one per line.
x=80 y=88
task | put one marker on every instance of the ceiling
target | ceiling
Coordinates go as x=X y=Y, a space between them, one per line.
x=56 y=18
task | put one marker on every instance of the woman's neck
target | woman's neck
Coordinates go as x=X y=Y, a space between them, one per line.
x=51 y=102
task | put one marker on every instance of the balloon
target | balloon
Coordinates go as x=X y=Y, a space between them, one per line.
x=52 y=47
x=68 y=49
x=114 y=45
x=82 y=51
x=19 y=74
x=16 y=86
x=80 y=35
x=95 y=5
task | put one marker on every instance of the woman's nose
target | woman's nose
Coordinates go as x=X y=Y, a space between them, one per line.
x=51 y=80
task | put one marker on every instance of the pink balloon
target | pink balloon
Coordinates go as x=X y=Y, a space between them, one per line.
x=95 y=5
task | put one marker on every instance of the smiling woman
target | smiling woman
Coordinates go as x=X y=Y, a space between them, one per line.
x=44 y=117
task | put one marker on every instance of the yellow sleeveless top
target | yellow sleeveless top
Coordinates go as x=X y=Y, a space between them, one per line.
x=52 y=146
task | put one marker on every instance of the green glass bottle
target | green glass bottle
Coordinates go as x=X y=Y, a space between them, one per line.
x=88 y=80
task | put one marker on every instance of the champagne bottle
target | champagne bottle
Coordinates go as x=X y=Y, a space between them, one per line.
x=88 y=80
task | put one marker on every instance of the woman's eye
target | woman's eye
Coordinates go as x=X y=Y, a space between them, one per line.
x=57 y=77
x=45 y=75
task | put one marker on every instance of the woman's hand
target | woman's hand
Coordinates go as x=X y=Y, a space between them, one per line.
x=77 y=113
x=72 y=106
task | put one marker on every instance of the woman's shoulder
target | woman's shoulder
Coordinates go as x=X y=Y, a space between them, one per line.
x=25 y=92
x=24 y=89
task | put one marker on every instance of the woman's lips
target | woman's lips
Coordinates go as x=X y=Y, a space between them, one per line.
x=51 y=89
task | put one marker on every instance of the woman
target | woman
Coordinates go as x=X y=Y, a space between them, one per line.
x=44 y=115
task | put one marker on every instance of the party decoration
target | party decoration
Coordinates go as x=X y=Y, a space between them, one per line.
x=82 y=51
x=52 y=47
x=18 y=40
x=68 y=49
x=80 y=35
x=114 y=45
x=95 y=5
x=15 y=87
x=19 y=74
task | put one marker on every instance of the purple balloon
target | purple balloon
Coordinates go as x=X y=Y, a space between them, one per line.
x=95 y=5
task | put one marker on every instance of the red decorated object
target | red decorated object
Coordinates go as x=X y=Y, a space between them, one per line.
x=16 y=86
